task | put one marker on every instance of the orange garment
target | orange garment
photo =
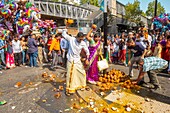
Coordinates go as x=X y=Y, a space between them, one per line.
x=167 y=51
x=55 y=45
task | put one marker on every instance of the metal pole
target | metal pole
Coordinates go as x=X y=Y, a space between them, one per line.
x=105 y=31
x=156 y=3
x=105 y=28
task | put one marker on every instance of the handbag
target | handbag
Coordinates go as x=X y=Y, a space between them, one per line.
x=102 y=64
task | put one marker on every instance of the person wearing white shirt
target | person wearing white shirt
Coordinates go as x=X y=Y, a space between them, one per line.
x=17 y=48
x=76 y=75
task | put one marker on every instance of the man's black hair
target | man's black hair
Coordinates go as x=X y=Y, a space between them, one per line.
x=33 y=34
x=80 y=34
x=168 y=37
x=130 y=40
x=96 y=35
x=157 y=41
x=57 y=35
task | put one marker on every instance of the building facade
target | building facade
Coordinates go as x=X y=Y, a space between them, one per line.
x=120 y=24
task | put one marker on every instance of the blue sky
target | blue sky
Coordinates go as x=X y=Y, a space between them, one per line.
x=144 y=4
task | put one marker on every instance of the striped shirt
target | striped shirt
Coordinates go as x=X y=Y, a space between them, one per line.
x=153 y=63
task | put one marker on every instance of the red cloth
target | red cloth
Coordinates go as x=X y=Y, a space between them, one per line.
x=49 y=42
x=167 y=51
x=167 y=54
x=9 y=60
x=122 y=55
x=163 y=53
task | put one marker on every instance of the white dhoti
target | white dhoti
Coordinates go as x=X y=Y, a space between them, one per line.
x=76 y=77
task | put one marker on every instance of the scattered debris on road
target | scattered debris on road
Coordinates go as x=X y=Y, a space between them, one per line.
x=13 y=107
x=3 y=102
x=147 y=100
x=57 y=95
x=18 y=84
x=44 y=101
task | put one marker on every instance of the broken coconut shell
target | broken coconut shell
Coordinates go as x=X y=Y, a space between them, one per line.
x=61 y=88
x=57 y=95
x=45 y=75
x=75 y=106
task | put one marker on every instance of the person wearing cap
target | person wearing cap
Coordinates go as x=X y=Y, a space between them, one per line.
x=76 y=75
x=55 y=49
x=152 y=66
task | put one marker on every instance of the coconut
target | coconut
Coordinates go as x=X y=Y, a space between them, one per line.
x=98 y=83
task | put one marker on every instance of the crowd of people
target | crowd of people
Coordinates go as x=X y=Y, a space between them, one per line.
x=81 y=54
x=142 y=48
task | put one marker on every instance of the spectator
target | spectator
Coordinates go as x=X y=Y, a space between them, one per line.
x=122 y=54
x=2 y=45
x=17 y=48
x=167 y=52
x=55 y=49
x=33 y=51
x=24 y=49
x=64 y=49
x=10 y=55
x=41 y=44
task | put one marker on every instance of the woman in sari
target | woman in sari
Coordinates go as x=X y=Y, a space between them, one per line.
x=95 y=51
x=9 y=56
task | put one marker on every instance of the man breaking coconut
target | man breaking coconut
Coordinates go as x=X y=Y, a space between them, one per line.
x=152 y=66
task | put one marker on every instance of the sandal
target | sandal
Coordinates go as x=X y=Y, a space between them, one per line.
x=87 y=88
x=92 y=82
x=67 y=94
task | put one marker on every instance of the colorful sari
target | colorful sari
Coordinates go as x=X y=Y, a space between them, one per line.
x=10 y=58
x=92 y=73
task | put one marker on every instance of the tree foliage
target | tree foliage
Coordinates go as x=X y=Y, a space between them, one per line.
x=133 y=12
x=92 y=2
x=56 y=0
x=64 y=0
x=151 y=9
x=143 y=14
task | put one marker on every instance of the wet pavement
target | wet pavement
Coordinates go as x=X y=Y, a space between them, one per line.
x=35 y=96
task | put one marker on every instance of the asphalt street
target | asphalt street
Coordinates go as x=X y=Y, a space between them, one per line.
x=35 y=96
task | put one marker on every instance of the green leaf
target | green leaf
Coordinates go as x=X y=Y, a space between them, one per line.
x=92 y=2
